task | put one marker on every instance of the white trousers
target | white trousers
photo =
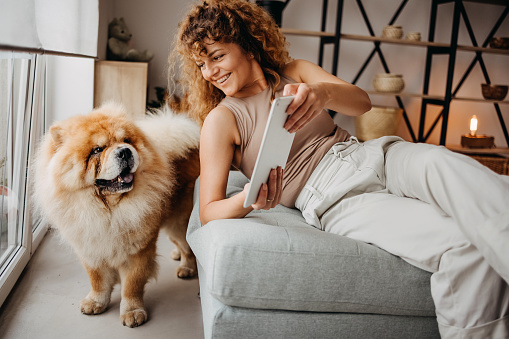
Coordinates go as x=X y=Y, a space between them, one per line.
x=438 y=210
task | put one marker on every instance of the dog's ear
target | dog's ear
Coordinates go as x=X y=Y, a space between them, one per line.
x=57 y=135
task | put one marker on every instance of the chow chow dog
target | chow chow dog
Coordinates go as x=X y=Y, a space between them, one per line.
x=109 y=184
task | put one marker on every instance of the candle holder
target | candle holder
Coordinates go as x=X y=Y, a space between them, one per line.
x=473 y=140
x=477 y=141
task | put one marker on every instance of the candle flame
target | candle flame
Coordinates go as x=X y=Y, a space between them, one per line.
x=473 y=125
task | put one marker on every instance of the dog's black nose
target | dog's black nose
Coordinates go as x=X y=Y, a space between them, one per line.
x=124 y=153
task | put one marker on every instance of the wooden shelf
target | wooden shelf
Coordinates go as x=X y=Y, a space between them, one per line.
x=493 y=2
x=483 y=50
x=481 y=100
x=487 y=151
x=355 y=37
x=437 y=97
x=292 y=31
x=405 y=94
x=392 y=41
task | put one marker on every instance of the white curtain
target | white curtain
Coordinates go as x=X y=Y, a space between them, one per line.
x=66 y=27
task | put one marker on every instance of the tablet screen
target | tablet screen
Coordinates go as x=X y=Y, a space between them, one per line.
x=274 y=149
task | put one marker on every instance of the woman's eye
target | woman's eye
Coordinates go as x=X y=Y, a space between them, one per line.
x=200 y=65
x=216 y=58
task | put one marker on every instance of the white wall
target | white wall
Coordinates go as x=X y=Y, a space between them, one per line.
x=70 y=87
x=153 y=24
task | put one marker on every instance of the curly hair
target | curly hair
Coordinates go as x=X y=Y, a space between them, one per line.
x=226 y=21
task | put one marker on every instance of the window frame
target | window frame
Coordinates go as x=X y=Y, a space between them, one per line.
x=29 y=232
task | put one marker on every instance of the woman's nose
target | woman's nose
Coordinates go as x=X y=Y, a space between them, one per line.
x=209 y=71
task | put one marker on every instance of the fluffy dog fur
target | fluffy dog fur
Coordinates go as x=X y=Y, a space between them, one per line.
x=109 y=185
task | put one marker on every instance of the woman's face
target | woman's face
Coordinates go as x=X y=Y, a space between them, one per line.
x=230 y=69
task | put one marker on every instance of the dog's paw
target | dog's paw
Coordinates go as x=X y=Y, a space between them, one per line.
x=134 y=318
x=175 y=254
x=185 y=272
x=89 y=306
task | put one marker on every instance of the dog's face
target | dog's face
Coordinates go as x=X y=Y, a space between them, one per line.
x=102 y=150
x=117 y=164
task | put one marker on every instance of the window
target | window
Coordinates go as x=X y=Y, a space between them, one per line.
x=65 y=31
x=22 y=115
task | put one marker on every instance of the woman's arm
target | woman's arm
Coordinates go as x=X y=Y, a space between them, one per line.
x=219 y=136
x=218 y=141
x=317 y=89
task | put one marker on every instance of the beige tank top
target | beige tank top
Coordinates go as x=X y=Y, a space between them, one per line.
x=309 y=146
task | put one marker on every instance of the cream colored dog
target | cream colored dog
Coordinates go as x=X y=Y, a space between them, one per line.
x=109 y=185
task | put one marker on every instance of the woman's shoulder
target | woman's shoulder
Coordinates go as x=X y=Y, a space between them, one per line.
x=295 y=68
x=218 y=115
x=220 y=122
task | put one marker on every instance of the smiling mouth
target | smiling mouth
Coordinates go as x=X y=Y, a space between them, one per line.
x=223 y=79
x=121 y=184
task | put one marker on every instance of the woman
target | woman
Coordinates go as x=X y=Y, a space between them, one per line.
x=421 y=200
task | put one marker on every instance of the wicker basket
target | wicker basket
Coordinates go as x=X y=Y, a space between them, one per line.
x=413 y=36
x=379 y=121
x=392 y=32
x=498 y=164
x=388 y=83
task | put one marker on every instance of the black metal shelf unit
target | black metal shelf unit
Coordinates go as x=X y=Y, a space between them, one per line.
x=433 y=49
x=450 y=51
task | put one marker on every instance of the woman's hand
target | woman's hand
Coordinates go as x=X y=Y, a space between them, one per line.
x=270 y=193
x=316 y=89
x=309 y=101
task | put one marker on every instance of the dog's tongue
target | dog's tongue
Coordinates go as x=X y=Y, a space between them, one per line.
x=128 y=178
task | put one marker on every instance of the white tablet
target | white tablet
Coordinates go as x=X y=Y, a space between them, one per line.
x=274 y=149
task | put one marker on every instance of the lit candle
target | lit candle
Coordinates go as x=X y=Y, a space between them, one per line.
x=473 y=125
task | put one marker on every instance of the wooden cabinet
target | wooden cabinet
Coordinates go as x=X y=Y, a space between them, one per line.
x=123 y=82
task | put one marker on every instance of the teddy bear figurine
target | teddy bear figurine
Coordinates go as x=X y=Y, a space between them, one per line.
x=118 y=44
